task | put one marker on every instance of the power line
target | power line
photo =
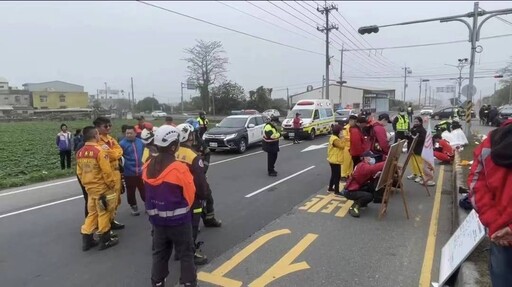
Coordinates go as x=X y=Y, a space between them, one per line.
x=316 y=15
x=299 y=12
x=230 y=29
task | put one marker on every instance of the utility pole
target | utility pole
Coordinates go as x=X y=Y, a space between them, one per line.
x=341 y=72
x=419 y=95
x=287 y=98
x=133 y=97
x=326 y=10
x=323 y=86
x=407 y=70
x=462 y=63
x=182 y=87
x=426 y=84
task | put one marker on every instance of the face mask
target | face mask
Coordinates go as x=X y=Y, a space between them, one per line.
x=402 y=113
x=372 y=161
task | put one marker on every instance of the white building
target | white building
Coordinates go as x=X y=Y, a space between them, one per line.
x=375 y=100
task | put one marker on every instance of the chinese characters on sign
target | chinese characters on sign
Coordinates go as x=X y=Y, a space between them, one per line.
x=329 y=204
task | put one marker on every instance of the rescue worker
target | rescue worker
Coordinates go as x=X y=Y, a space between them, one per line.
x=401 y=125
x=150 y=149
x=379 y=144
x=358 y=142
x=95 y=173
x=200 y=146
x=360 y=187
x=443 y=126
x=348 y=164
x=170 y=193
x=410 y=112
x=203 y=123
x=114 y=152
x=141 y=125
x=271 y=143
x=443 y=151
x=335 y=158
x=194 y=161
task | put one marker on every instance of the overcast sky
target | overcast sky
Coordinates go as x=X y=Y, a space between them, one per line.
x=89 y=43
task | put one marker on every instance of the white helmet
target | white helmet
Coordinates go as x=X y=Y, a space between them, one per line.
x=185 y=131
x=147 y=136
x=166 y=135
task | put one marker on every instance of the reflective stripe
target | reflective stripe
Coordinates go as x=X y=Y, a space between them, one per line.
x=198 y=210
x=486 y=152
x=172 y=213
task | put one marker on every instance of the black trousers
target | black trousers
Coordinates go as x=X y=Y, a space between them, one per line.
x=271 y=161
x=84 y=192
x=164 y=238
x=400 y=136
x=132 y=184
x=65 y=155
x=356 y=160
x=360 y=197
x=208 y=210
x=334 y=182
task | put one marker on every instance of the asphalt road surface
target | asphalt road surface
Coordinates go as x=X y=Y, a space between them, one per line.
x=41 y=243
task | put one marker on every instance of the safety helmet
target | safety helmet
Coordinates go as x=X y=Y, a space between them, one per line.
x=185 y=131
x=166 y=135
x=193 y=122
x=147 y=135
x=402 y=109
x=202 y=113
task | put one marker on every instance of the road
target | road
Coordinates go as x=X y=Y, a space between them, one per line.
x=41 y=242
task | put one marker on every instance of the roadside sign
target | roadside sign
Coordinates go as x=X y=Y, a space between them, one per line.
x=468 y=108
x=466 y=91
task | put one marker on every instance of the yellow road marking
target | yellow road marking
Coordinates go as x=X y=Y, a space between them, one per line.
x=322 y=203
x=430 y=248
x=217 y=276
x=284 y=266
x=344 y=209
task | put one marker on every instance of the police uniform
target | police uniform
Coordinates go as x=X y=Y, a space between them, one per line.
x=271 y=146
x=203 y=125
x=96 y=175
x=401 y=126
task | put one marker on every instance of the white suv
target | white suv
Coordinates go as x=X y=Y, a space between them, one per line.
x=158 y=114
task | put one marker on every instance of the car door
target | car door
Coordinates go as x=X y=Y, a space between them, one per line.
x=251 y=130
x=260 y=124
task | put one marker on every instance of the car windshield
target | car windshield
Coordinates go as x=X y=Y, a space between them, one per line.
x=506 y=111
x=343 y=112
x=303 y=114
x=233 y=123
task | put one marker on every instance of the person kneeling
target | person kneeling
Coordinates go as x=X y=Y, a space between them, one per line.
x=360 y=187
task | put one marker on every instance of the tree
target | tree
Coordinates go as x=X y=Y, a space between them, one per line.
x=281 y=105
x=122 y=104
x=148 y=104
x=206 y=65
x=228 y=96
x=260 y=99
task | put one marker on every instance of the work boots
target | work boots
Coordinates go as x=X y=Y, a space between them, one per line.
x=107 y=241
x=88 y=242
x=212 y=222
x=114 y=225
x=199 y=259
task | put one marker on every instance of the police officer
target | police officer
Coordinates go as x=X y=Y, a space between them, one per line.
x=94 y=172
x=169 y=211
x=271 y=143
x=401 y=125
x=200 y=146
x=195 y=162
x=203 y=123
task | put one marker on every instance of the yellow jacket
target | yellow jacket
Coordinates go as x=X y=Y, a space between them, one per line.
x=346 y=135
x=335 y=150
x=114 y=151
x=94 y=169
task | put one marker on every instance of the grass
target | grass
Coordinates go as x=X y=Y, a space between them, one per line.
x=28 y=153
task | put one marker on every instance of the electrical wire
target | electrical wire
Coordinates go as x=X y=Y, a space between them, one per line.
x=299 y=11
x=230 y=29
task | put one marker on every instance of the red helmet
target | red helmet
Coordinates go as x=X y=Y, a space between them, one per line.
x=148 y=126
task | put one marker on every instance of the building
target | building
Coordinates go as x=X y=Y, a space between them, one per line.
x=373 y=99
x=13 y=100
x=57 y=95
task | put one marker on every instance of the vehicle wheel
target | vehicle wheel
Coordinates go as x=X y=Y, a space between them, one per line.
x=312 y=134
x=436 y=117
x=242 y=146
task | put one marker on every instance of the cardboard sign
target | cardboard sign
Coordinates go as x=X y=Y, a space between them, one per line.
x=465 y=239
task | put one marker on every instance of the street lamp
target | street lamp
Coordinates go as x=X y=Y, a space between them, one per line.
x=462 y=64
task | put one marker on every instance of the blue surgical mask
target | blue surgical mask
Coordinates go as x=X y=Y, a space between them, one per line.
x=372 y=161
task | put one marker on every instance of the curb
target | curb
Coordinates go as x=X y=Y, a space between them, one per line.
x=468 y=274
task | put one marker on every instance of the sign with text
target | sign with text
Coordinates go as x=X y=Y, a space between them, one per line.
x=465 y=239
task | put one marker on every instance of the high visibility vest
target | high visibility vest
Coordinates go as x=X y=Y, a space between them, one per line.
x=274 y=136
x=201 y=122
x=402 y=124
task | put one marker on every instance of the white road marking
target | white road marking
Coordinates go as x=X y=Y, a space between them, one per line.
x=314 y=147
x=279 y=181
x=245 y=155
x=40 y=206
x=37 y=187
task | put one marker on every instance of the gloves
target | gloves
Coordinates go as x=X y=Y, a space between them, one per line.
x=103 y=202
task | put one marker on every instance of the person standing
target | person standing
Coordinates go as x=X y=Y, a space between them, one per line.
x=271 y=144
x=358 y=142
x=203 y=123
x=170 y=194
x=169 y=121
x=195 y=162
x=95 y=173
x=133 y=149
x=410 y=112
x=297 y=123
x=348 y=164
x=489 y=182
x=417 y=161
x=335 y=158
x=401 y=125
x=379 y=144
x=63 y=142
x=78 y=140
x=114 y=152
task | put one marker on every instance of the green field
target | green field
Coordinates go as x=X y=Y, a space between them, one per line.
x=28 y=153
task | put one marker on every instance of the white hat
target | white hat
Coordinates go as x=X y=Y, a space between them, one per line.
x=185 y=130
x=147 y=136
x=166 y=135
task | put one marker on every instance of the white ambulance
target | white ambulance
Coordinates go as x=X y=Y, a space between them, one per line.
x=317 y=118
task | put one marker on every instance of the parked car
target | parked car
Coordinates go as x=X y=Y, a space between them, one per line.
x=504 y=114
x=235 y=133
x=341 y=116
x=427 y=111
x=446 y=113
x=158 y=114
x=271 y=112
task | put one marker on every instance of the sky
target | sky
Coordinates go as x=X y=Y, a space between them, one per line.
x=90 y=43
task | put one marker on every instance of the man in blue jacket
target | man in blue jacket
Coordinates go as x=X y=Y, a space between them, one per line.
x=133 y=148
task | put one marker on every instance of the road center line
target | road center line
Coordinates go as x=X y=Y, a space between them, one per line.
x=245 y=155
x=279 y=181
x=430 y=248
x=37 y=187
x=41 y=206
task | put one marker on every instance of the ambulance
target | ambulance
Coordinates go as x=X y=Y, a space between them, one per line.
x=317 y=118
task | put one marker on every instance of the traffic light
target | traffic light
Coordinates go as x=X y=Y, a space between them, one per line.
x=368 y=29
x=498 y=76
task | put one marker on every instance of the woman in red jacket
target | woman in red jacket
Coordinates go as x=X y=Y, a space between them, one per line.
x=358 y=141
